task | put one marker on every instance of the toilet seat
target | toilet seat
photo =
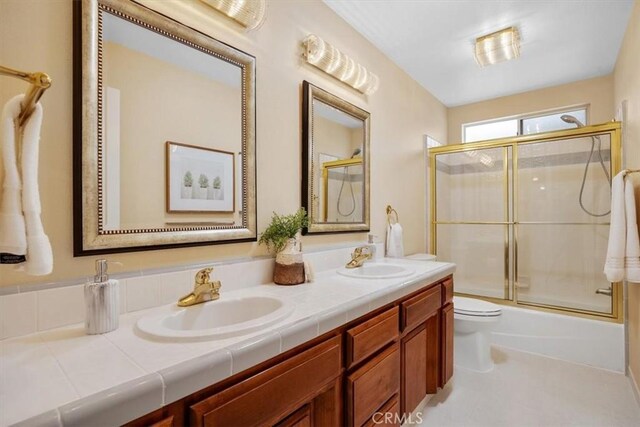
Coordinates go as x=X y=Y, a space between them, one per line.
x=475 y=307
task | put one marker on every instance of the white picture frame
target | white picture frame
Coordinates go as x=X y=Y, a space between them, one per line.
x=210 y=173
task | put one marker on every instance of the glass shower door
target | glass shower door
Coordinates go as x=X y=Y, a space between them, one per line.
x=472 y=217
x=562 y=224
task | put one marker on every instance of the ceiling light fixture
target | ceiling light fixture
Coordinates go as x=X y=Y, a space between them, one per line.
x=335 y=63
x=497 y=47
x=248 y=13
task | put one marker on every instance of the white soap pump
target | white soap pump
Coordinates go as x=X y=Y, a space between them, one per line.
x=101 y=300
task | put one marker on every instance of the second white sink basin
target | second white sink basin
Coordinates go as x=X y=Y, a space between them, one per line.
x=376 y=271
x=217 y=319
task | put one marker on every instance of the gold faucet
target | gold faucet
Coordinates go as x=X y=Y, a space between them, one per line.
x=203 y=290
x=359 y=256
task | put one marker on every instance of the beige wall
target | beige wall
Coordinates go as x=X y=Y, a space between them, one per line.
x=627 y=87
x=401 y=110
x=597 y=92
x=186 y=107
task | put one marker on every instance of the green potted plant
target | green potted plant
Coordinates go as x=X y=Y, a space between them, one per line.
x=203 y=182
x=281 y=237
x=217 y=185
x=187 y=186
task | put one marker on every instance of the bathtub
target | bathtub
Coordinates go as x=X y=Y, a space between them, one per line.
x=574 y=339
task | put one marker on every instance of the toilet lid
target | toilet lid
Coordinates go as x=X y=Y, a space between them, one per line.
x=475 y=307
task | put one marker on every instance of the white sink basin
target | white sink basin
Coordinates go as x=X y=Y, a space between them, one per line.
x=217 y=319
x=376 y=271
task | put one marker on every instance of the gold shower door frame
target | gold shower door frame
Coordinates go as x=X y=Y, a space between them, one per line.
x=511 y=211
x=325 y=179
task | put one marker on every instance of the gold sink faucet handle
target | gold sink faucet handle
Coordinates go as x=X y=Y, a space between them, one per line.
x=359 y=256
x=203 y=289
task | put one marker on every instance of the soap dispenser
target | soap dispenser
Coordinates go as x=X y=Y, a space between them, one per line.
x=101 y=301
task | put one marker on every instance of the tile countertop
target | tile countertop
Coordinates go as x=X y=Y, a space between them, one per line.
x=63 y=377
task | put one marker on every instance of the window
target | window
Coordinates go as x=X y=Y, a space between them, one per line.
x=525 y=125
x=492 y=130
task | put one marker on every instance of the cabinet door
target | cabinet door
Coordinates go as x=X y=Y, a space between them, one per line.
x=388 y=415
x=432 y=326
x=414 y=369
x=300 y=418
x=372 y=385
x=275 y=393
x=446 y=362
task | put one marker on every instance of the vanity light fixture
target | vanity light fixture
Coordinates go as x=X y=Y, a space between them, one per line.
x=248 y=13
x=335 y=63
x=497 y=47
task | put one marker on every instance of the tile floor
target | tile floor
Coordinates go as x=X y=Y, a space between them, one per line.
x=530 y=390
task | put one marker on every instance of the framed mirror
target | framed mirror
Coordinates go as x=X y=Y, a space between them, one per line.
x=164 y=133
x=335 y=161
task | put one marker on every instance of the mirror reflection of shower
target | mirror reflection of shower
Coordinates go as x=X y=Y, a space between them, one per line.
x=345 y=173
x=571 y=119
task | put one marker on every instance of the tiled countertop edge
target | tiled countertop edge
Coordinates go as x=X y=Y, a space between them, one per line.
x=150 y=392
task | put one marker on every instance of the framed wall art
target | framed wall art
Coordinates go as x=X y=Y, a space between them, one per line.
x=199 y=179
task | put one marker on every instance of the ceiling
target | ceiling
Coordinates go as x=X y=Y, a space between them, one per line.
x=432 y=40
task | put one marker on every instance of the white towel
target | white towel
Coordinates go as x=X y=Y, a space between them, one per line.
x=13 y=238
x=623 y=251
x=20 y=223
x=395 y=248
x=39 y=254
x=632 y=251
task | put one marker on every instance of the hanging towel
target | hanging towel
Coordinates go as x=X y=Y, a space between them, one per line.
x=632 y=252
x=21 y=231
x=395 y=248
x=13 y=238
x=623 y=251
x=39 y=254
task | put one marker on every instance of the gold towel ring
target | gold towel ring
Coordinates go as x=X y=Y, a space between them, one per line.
x=391 y=211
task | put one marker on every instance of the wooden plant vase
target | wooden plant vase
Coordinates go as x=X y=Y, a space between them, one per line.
x=289 y=268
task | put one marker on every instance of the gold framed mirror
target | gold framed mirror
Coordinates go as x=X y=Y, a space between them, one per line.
x=164 y=133
x=335 y=161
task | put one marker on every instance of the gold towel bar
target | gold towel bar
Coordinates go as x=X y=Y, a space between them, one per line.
x=39 y=83
x=628 y=171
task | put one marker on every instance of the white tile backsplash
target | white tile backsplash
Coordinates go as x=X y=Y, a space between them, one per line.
x=143 y=292
x=175 y=285
x=60 y=307
x=44 y=309
x=18 y=315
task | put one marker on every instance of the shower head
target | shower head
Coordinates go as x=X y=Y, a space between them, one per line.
x=567 y=118
x=356 y=152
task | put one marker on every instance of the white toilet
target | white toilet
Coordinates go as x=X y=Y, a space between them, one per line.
x=473 y=321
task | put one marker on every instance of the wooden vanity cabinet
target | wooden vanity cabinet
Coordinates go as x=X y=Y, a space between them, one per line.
x=278 y=393
x=366 y=373
x=421 y=342
x=446 y=358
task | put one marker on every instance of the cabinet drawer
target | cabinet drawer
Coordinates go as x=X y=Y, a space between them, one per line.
x=447 y=291
x=369 y=387
x=167 y=422
x=300 y=418
x=388 y=415
x=270 y=395
x=372 y=335
x=417 y=309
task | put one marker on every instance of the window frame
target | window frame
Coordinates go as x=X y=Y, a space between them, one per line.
x=522 y=117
